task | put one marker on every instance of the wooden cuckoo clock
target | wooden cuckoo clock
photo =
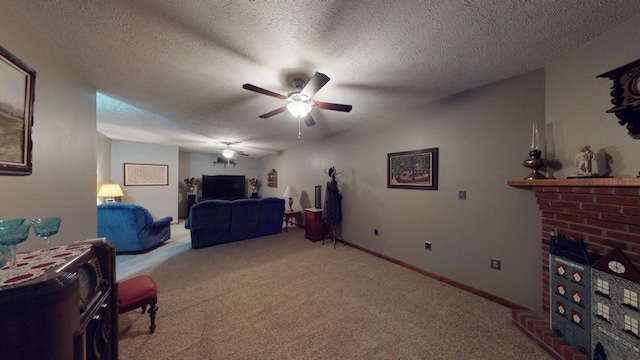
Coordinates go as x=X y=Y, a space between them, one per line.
x=626 y=96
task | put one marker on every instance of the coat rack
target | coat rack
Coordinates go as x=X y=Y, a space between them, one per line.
x=332 y=172
x=333 y=206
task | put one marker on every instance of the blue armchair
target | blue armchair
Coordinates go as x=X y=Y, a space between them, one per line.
x=131 y=227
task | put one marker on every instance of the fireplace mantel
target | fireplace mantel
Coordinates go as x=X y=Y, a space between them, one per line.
x=586 y=182
x=604 y=212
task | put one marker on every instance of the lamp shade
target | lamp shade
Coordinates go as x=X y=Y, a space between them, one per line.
x=290 y=192
x=110 y=191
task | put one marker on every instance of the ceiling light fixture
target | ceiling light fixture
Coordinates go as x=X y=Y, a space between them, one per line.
x=299 y=108
x=228 y=153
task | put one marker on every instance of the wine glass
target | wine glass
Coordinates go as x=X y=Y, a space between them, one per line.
x=44 y=228
x=11 y=238
x=7 y=227
x=4 y=255
x=12 y=223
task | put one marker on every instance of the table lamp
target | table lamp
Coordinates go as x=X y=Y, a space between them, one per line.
x=290 y=192
x=109 y=191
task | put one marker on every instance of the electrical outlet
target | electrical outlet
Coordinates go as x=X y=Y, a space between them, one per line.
x=427 y=245
x=375 y=232
x=495 y=264
x=462 y=195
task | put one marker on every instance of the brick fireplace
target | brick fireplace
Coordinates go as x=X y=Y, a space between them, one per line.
x=604 y=212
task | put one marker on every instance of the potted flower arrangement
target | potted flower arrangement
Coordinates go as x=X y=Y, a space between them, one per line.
x=255 y=183
x=191 y=184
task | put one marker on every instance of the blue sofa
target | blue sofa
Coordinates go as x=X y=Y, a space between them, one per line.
x=215 y=222
x=131 y=227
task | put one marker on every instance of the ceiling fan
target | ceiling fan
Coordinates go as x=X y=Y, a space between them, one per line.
x=300 y=103
x=228 y=153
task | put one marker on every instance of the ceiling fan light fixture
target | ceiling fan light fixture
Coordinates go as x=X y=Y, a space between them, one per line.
x=299 y=109
x=228 y=153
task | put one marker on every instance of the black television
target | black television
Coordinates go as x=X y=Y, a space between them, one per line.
x=223 y=187
x=318 y=197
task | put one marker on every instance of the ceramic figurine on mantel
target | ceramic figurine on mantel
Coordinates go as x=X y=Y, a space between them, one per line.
x=584 y=157
x=535 y=162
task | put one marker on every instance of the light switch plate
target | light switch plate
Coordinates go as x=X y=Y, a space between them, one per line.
x=495 y=264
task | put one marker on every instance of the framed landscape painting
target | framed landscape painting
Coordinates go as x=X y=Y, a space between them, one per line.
x=417 y=169
x=17 y=88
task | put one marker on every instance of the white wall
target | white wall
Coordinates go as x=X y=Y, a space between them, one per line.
x=63 y=182
x=483 y=137
x=160 y=200
x=576 y=103
x=103 y=166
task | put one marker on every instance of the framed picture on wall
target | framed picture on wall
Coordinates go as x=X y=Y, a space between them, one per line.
x=17 y=89
x=416 y=169
x=146 y=174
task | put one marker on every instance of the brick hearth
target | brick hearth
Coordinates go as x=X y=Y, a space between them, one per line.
x=604 y=212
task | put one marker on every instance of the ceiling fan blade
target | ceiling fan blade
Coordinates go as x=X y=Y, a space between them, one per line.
x=241 y=153
x=330 y=106
x=309 y=120
x=274 y=112
x=263 y=91
x=315 y=84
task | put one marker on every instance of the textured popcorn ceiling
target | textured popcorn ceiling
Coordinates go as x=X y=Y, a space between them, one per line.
x=171 y=72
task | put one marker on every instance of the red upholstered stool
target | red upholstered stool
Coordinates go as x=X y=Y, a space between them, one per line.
x=139 y=292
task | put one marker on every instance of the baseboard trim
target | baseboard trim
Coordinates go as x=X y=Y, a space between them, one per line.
x=478 y=292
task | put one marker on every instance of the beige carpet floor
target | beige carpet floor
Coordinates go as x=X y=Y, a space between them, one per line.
x=128 y=265
x=285 y=297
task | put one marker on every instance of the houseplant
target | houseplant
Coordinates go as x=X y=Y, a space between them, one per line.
x=255 y=183
x=190 y=184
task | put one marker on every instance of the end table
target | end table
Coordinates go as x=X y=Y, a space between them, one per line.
x=289 y=216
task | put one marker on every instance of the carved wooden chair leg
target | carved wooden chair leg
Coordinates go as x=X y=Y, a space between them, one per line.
x=153 y=308
x=139 y=292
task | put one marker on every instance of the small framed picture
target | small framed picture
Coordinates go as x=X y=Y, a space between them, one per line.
x=416 y=169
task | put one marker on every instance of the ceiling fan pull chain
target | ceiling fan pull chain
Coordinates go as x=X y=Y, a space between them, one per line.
x=299 y=132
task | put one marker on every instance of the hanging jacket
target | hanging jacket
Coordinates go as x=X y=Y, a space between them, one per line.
x=332 y=213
